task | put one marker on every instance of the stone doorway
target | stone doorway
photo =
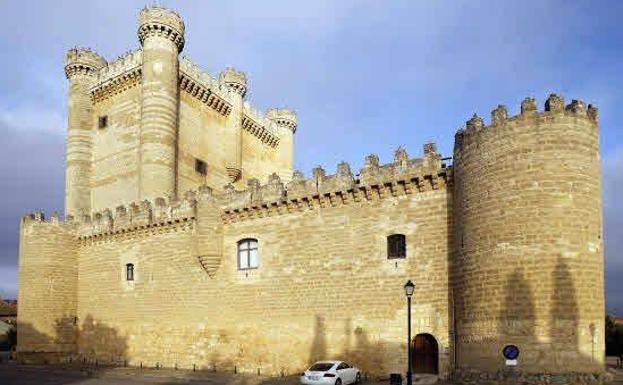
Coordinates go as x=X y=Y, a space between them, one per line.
x=425 y=354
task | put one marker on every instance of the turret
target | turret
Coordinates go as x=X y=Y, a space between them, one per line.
x=161 y=33
x=527 y=267
x=236 y=82
x=285 y=121
x=81 y=68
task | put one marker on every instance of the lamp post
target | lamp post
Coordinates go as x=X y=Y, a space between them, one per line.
x=409 y=288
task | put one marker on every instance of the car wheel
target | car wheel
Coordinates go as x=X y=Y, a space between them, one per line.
x=338 y=382
x=358 y=378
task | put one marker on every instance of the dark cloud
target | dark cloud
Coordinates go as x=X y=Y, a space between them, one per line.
x=32 y=171
x=613 y=230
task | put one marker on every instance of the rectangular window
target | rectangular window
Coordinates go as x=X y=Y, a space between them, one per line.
x=396 y=246
x=201 y=167
x=102 y=122
x=248 y=254
x=129 y=272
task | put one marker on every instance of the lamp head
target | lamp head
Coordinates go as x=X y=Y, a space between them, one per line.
x=409 y=288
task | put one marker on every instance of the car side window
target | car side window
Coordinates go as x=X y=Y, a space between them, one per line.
x=342 y=366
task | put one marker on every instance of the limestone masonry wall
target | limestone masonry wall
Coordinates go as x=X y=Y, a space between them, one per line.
x=48 y=276
x=274 y=317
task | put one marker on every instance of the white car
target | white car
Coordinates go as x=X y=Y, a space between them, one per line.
x=331 y=373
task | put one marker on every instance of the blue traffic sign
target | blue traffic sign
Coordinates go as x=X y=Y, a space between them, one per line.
x=510 y=352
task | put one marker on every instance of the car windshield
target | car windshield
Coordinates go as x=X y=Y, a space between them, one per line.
x=321 y=366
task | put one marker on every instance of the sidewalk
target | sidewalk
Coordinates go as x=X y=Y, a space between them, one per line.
x=14 y=374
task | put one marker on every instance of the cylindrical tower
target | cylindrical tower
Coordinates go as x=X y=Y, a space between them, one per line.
x=285 y=122
x=527 y=267
x=81 y=67
x=235 y=81
x=161 y=33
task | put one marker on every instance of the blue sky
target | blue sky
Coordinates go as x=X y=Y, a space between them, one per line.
x=363 y=76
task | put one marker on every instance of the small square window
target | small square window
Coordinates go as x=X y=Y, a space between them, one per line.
x=201 y=167
x=102 y=122
x=396 y=246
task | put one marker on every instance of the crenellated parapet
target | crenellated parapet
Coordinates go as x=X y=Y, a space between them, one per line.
x=159 y=212
x=217 y=94
x=554 y=106
x=161 y=22
x=259 y=125
x=401 y=177
x=202 y=86
x=234 y=80
x=83 y=61
x=118 y=76
x=123 y=219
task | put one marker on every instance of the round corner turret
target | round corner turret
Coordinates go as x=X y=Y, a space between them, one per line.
x=283 y=117
x=234 y=80
x=83 y=61
x=161 y=22
x=527 y=208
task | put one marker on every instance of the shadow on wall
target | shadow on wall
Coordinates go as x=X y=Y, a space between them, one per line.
x=90 y=342
x=518 y=319
x=366 y=355
x=319 y=344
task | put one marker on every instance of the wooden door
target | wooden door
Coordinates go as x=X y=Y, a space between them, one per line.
x=425 y=357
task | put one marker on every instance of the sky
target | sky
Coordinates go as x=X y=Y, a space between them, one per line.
x=363 y=76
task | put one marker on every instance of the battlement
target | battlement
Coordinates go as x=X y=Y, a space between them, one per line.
x=39 y=217
x=162 y=22
x=83 y=61
x=158 y=212
x=203 y=87
x=118 y=75
x=259 y=125
x=554 y=105
x=126 y=62
x=403 y=176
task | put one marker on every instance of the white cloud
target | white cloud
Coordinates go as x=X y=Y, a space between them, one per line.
x=32 y=119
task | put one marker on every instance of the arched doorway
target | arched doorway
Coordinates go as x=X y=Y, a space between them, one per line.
x=425 y=357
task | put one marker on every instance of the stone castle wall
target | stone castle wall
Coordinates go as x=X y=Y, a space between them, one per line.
x=324 y=287
x=48 y=267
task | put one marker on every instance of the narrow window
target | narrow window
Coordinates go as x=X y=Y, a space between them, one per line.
x=201 y=167
x=396 y=246
x=129 y=272
x=102 y=121
x=247 y=254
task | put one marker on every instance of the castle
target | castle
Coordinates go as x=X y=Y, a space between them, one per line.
x=190 y=241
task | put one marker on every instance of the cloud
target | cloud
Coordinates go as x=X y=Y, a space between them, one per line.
x=612 y=182
x=31 y=119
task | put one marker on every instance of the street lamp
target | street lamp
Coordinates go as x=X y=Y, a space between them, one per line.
x=409 y=288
